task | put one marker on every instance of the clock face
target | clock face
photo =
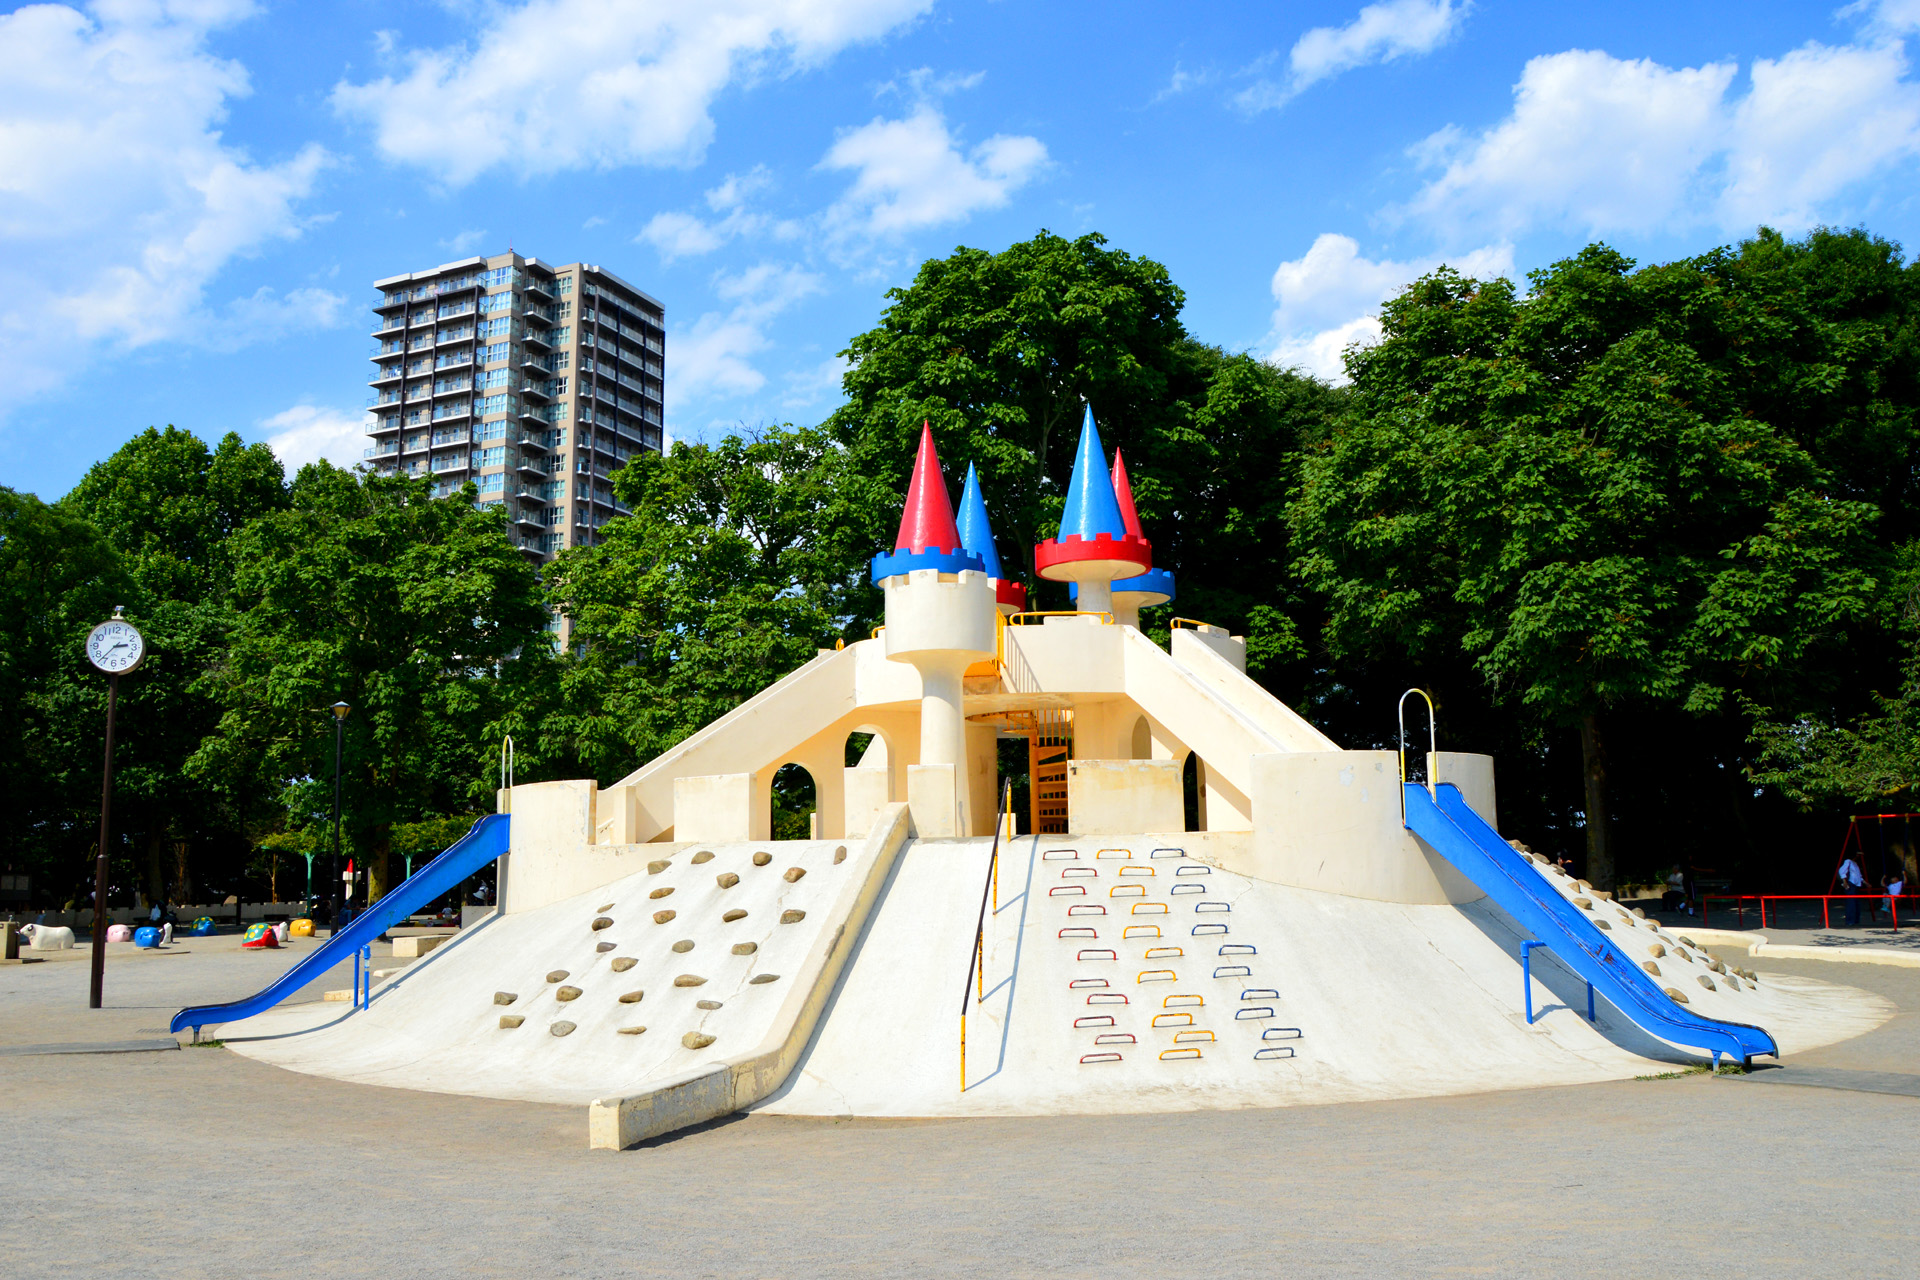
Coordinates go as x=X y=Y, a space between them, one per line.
x=115 y=647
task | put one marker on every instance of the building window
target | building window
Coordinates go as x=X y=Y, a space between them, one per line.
x=493 y=483
x=494 y=457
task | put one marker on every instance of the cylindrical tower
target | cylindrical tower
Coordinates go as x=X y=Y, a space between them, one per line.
x=1131 y=595
x=940 y=610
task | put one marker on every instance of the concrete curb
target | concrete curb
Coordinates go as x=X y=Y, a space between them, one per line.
x=733 y=1084
x=1756 y=944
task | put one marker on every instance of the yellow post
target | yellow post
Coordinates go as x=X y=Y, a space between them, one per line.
x=980 y=958
x=963 y=1053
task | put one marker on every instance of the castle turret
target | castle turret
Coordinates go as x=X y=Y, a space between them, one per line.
x=940 y=609
x=1094 y=546
x=1155 y=586
x=976 y=535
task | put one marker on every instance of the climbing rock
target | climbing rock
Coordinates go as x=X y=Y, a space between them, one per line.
x=726 y=879
x=1718 y=966
x=689 y=980
x=1732 y=982
x=558 y=975
x=661 y=917
x=1657 y=950
x=508 y=1021
x=1582 y=884
x=696 y=1039
x=567 y=993
x=1638 y=912
x=664 y=891
x=745 y=948
x=1689 y=941
x=762 y=859
x=760 y=978
x=605 y=946
x=1704 y=981
x=1683 y=954
x=1650 y=967
x=792 y=917
x=683 y=946
x=702 y=856
x=735 y=914
x=604 y=922
x=706 y=1004
x=598 y=910
x=793 y=874
x=561 y=1028
x=656 y=867
x=505 y=997
x=632 y=997
x=1585 y=904
x=633 y=1031
x=1602 y=924
x=839 y=855
x=1676 y=996
x=623 y=963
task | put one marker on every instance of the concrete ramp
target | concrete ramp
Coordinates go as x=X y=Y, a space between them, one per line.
x=680 y=993
x=1124 y=977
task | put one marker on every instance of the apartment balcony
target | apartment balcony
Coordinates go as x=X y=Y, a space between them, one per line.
x=385 y=375
x=533 y=285
x=533 y=466
x=381 y=350
x=425 y=317
x=454 y=360
x=390 y=323
x=448 y=412
x=385 y=397
x=537 y=335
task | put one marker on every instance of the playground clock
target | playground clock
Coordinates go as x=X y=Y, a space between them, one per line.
x=115 y=647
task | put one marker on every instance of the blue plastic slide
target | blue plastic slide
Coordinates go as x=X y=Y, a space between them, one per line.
x=1506 y=876
x=484 y=843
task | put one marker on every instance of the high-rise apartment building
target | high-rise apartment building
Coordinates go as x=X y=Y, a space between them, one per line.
x=533 y=381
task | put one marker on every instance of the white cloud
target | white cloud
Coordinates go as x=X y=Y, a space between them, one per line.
x=1328 y=298
x=712 y=356
x=808 y=387
x=306 y=433
x=1596 y=144
x=1816 y=122
x=911 y=174
x=464 y=242
x=266 y=315
x=1887 y=17
x=552 y=85
x=685 y=235
x=122 y=202
x=1379 y=33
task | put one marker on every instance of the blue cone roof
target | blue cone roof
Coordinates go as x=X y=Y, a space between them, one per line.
x=976 y=534
x=1092 y=506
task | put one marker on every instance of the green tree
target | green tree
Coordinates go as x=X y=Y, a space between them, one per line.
x=368 y=591
x=58 y=578
x=171 y=506
x=731 y=571
x=1571 y=489
x=1001 y=352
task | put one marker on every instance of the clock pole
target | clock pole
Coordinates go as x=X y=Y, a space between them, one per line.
x=100 y=864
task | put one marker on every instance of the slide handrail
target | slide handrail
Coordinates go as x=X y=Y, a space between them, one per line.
x=1444 y=820
x=1433 y=746
x=486 y=841
x=977 y=959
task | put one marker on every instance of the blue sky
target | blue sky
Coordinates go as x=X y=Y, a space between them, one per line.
x=195 y=195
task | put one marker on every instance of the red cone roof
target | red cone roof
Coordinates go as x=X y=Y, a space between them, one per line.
x=927 y=523
x=1123 y=491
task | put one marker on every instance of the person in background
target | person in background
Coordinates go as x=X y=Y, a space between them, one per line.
x=1676 y=891
x=1851 y=882
x=1895 y=885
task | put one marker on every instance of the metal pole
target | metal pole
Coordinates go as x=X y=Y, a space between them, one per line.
x=333 y=876
x=100 y=864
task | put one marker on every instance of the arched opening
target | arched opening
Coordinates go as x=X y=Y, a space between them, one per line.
x=1193 y=791
x=1142 y=745
x=795 y=798
x=866 y=749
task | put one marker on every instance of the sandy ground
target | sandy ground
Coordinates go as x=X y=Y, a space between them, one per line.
x=204 y=1160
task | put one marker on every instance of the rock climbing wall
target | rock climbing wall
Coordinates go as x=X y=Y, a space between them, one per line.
x=643 y=979
x=1122 y=976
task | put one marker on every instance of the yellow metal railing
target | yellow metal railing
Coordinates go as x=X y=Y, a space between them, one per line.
x=1176 y=623
x=977 y=963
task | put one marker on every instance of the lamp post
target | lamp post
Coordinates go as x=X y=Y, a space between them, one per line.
x=339 y=710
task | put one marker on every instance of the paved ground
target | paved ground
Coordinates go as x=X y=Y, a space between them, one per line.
x=203 y=1161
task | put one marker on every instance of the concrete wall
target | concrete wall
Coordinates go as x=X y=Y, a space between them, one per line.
x=932 y=798
x=1330 y=820
x=716 y=808
x=1118 y=797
